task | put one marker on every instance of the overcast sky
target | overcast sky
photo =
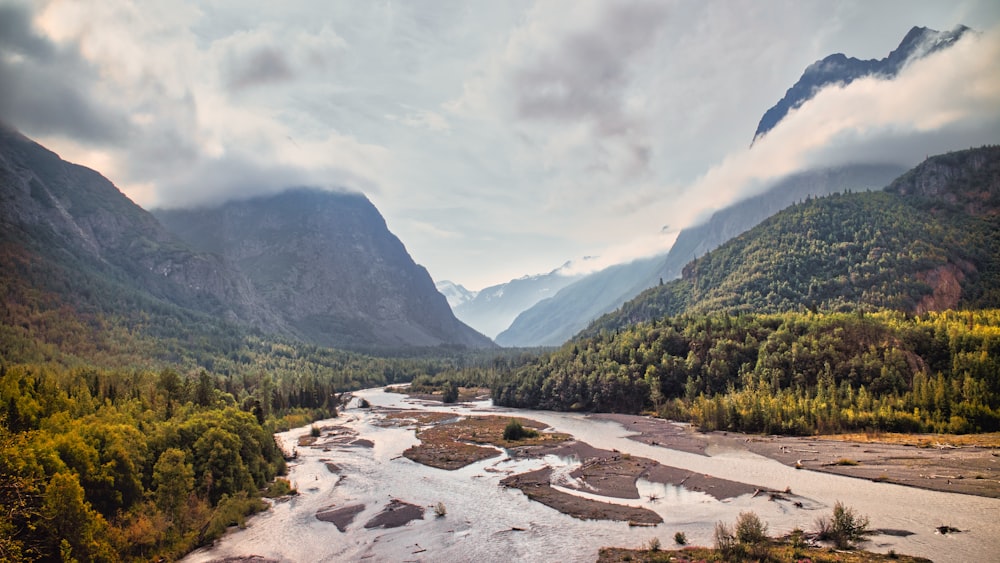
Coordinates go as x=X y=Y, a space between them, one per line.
x=497 y=138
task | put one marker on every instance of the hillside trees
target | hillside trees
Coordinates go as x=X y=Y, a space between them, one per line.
x=103 y=479
x=797 y=373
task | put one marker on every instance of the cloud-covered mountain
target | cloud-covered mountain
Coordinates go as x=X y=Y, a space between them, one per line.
x=553 y=321
x=318 y=266
x=76 y=226
x=838 y=69
x=329 y=264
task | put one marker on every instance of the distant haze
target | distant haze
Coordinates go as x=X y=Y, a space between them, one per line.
x=497 y=138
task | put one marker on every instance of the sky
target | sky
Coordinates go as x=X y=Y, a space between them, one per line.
x=498 y=139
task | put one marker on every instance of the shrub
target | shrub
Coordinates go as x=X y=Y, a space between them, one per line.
x=515 y=431
x=314 y=431
x=750 y=529
x=440 y=510
x=653 y=544
x=751 y=535
x=680 y=538
x=450 y=392
x=845 y=528
x=279 y=488
x=725 y=541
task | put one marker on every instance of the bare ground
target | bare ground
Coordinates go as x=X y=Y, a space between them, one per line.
x=960 y=464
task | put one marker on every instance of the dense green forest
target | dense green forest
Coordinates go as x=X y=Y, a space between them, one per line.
x=103 y=466
x=795 y=373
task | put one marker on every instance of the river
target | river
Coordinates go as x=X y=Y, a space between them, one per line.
x=486 y=522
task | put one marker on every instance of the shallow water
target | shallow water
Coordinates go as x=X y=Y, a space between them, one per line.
x=486 y=522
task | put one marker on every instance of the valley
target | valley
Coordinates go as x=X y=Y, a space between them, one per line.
x=486 y=521
x=227 y=332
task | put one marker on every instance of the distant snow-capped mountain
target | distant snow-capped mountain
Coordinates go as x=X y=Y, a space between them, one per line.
x=455 y=293
x=492 y=309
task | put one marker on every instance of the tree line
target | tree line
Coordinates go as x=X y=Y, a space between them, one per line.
x=793 y=373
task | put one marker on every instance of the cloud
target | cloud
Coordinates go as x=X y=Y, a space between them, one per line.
x=946 y=101
x=40 y=85
x=537 y=131
x=262 y=66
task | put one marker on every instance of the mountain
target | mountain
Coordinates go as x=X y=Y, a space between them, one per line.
x=849 y=312
x=731 y=221
x=455 y=293
x=930 y=241
x=77 y=229
x=75 y=250
x=840 y=70
x=492 y=309
x=552 y=321
x=328 y=262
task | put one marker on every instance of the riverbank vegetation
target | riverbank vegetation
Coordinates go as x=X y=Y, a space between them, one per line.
x=791 y=373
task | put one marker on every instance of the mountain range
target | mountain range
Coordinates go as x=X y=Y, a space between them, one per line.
x=318 y=267
x=553 y=321
x=929 y=242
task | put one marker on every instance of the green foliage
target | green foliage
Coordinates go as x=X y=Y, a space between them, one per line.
x=516 y=431
x=845 y=529
x=98 y=465
x=791 y=373
x=904 y=249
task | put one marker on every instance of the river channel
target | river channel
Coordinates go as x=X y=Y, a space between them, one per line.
x=485 y=522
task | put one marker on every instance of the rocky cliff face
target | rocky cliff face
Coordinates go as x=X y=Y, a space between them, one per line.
x=967 y=179
x=840 y=69
x=329 y=264
x=77 y=219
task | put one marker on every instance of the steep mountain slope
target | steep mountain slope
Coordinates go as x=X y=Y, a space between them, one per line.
x=70 y=219
x=492 y=309
x=553 y=321
x=329 y=264
x=930 y=241
x=839 y=69
x=737 y=218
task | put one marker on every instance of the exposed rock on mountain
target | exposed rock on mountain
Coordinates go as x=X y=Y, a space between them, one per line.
x=329 y=264
x=839 y=69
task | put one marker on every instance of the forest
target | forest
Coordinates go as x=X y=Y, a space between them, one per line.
x=790 y=373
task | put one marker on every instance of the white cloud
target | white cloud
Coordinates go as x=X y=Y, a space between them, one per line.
x=947 y=101
x=497 y=138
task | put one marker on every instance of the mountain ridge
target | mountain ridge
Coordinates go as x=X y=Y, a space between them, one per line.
x=840 y=69
x=328 y=262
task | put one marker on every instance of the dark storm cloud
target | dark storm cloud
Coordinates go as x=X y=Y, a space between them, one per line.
x=45 y=89
x=17 y=34
x=264 y=65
